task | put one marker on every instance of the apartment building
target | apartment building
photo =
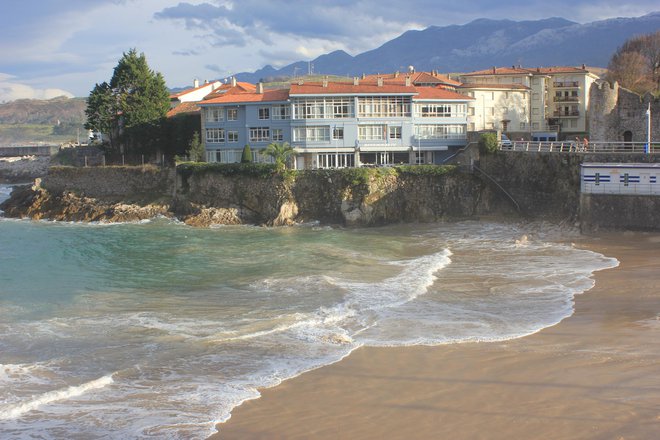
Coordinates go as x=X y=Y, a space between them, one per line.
x=366 y=122
x=558 y=99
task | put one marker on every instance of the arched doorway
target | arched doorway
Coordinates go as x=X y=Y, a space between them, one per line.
x=627 y=139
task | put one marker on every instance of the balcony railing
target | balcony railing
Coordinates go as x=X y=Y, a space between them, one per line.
x=575 y=147
x=566 y=114
x=567 y=98
x=566 y=84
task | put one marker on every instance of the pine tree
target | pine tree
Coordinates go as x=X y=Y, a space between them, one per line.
x=134 y=103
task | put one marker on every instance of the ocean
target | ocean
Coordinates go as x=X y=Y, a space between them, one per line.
x=158 y=330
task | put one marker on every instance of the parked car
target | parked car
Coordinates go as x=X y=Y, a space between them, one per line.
x=505 y=141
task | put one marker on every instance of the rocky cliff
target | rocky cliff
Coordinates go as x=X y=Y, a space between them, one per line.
x=208 y=194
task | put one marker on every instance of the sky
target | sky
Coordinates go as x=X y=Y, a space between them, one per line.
x=50 y=48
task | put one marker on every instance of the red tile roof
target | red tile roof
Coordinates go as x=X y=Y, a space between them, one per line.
x=347 y=88
x=415 y=78
x=234 y=96
x=184 y=108
x=500 y=71
x=438 y=93
x=494 y=86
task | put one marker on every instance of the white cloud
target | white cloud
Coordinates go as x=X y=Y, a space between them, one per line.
x=11 y=90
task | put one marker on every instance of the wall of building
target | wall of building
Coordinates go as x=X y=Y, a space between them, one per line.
x=615 y=111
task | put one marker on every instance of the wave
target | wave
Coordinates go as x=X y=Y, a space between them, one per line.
x=15 y=411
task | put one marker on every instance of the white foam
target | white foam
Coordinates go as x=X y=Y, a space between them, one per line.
x=17 y=410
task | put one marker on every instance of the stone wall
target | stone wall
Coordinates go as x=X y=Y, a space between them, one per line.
x=614 y=110
x=619 y=212
x=112 y=183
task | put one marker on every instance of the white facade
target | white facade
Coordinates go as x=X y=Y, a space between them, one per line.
x=620 y=178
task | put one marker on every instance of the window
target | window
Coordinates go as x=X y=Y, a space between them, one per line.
x=259 y=134
x=338 y=133
x=395 y=132
x=371 y=132
x=335 y=160
x=215 y=135
x=471 y=111
x=232 y=114
x=535 y=111
x=523 y=126
x=312 y=133
x=535 y=96
x=434 y=110
x=232 y=136
x=535 y=125
x=264 y=113
x=384 y=106
x=440 y=131
x=277 y=134
x=214 y=114
x=281 y=112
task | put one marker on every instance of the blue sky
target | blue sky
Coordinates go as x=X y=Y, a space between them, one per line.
x=54 y=47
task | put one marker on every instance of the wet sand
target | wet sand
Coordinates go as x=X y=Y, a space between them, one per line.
x=595 y=375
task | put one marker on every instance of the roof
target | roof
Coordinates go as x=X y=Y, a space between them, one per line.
x=529 y=71
x=494 y=86
x=193 y=89
x=439 y=93
x=415 y=78
x=240 y=87
x=234 y=96
x=183 y=108
x=500 y=71
x=346 y=88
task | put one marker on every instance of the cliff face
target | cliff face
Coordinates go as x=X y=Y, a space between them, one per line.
x=205 y=197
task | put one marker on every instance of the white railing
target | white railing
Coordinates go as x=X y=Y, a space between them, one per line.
x=575 y=147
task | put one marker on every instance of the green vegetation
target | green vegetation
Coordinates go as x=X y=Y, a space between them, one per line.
x=281 y=152
x=246 y=157
x=196 y=149
x=261 y=170
x=131 y=108
x=488 y=143
x=27 y=133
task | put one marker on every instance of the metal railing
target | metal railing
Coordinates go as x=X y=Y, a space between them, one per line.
x=590 y=147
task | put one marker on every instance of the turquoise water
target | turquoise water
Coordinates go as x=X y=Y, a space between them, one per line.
x=158 y=330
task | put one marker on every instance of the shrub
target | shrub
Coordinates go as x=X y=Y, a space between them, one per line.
x=488 y=143
x=246 y=157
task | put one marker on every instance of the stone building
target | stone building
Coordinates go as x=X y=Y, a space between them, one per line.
x=617 y=114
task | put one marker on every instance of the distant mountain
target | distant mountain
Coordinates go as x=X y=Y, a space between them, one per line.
x=481 y=44
x=50 y=111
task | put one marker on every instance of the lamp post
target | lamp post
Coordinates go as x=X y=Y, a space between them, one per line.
x=648 y=129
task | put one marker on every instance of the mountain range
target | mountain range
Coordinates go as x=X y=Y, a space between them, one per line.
x=478 y=45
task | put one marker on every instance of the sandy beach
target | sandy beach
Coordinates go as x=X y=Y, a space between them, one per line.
x=595 y=375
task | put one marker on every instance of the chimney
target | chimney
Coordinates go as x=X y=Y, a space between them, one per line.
x=260 y=87
x=494 y=70
x=233 y=81
x=364 y=76
x=408 y=81
x=301 y=82
x=356 y=81
x=206 y=81
x=325 y=81
x=396 y=74
x=584 y=67
x=195 y=83
x=380 y=81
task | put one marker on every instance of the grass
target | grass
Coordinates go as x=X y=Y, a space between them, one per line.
x=30 y=133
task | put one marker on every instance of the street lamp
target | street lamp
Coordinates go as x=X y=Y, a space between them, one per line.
x=648 y=129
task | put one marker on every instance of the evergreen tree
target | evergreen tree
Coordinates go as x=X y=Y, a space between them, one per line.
x=196 y=149
x=134 y=104
x=247 y=154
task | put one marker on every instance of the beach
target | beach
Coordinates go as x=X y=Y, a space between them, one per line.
x=592 y=376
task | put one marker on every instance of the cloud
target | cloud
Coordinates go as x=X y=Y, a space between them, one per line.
x=11 y=90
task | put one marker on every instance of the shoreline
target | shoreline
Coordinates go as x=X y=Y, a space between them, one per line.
x=593 y=375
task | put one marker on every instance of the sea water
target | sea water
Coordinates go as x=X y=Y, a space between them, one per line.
x=158 y=330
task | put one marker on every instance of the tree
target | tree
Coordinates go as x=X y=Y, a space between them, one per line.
x=280 y=152
x=196 y=149
x=247 y=154
x=488 y=143
x=133 y=104
x=102 y=111
x=636 y=64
